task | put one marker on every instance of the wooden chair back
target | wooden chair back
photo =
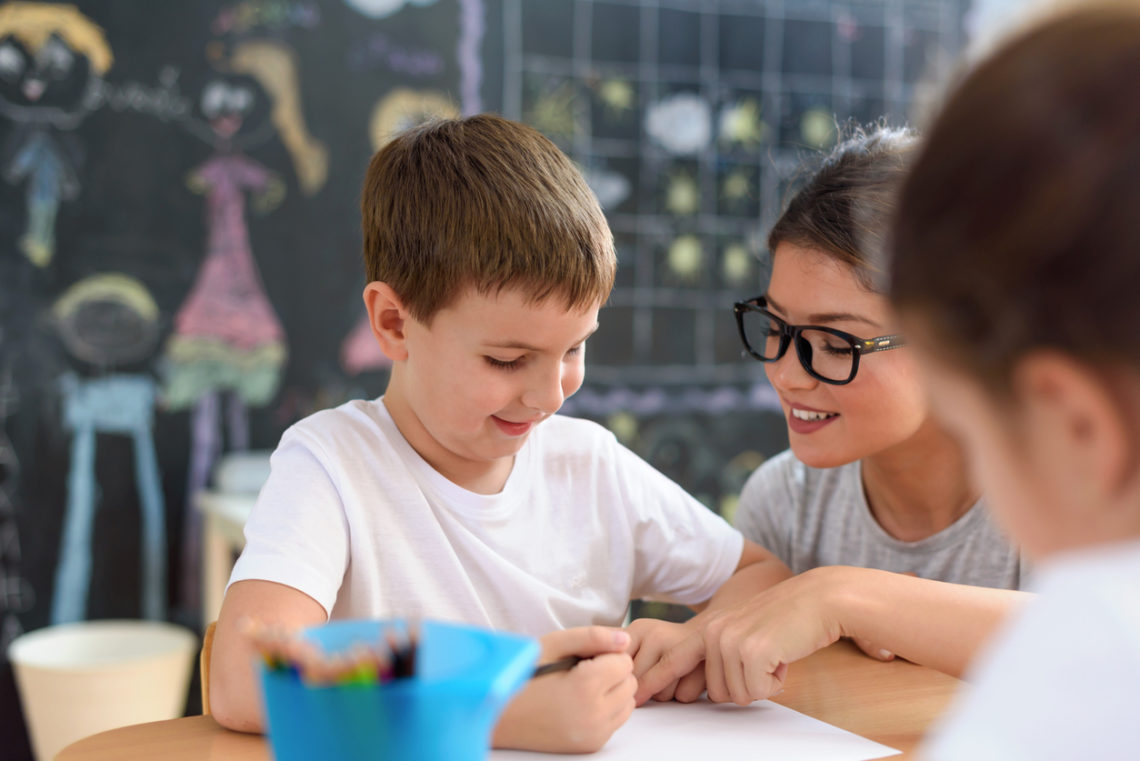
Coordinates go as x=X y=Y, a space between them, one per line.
x=204 y=666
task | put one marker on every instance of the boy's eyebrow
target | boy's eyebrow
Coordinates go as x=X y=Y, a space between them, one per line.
x=826 y=317
x=528 y=347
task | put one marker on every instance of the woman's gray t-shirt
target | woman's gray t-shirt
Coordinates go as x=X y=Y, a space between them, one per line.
x=812 y=517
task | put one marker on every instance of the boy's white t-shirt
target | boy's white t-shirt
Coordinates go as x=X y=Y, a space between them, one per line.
x=353 y=517
x=1062 y=682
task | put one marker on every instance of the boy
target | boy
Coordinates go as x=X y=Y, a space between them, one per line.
x=459 y=495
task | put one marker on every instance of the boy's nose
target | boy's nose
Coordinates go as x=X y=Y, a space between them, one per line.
x=544 y=391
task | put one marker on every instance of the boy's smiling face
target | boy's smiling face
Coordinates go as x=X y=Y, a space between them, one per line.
x=470 y=386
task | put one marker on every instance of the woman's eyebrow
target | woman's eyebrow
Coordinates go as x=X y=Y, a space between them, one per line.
x=821 y=318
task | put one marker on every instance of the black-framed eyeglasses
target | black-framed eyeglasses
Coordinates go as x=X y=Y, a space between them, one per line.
x=827 y=354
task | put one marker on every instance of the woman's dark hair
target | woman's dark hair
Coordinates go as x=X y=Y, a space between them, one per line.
x=1019 y=225
x=844 y=207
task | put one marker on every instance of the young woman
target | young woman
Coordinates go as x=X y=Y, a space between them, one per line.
x=872 y=505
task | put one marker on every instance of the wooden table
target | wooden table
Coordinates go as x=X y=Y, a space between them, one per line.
x=891 y=703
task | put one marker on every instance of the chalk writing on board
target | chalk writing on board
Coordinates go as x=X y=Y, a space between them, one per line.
x=163 y=100
x=51 y=56
x=379 y=50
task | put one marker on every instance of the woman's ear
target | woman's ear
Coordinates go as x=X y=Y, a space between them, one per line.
x=1076 y=420
x=386 y=316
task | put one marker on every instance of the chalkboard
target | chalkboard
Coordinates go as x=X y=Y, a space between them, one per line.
x=180 y=249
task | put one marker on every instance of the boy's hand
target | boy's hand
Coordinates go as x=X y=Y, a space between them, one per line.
x=651 y=638
x=746 y=647
x=574 y=711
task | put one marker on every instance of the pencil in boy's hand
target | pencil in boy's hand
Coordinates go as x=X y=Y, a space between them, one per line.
x=563 y=664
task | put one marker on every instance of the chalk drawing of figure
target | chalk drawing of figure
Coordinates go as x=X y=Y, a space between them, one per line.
x=108 y=320
x=51 y=60
x=228 y=341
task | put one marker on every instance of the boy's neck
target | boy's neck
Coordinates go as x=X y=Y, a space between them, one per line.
x=481 y=477
x=920 y=487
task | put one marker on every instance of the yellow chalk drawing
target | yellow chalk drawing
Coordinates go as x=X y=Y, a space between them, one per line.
x=737 y=186
x=817 y=127
x=624 y=426
x=617 y=95
x=552 y=113
x=33 y=24
x=275 y=67
x=403 y=108
x=114 y=287
x=685 y=257
x=740 y=123
x=736 y=263
x=728 y=506
x=682 y=196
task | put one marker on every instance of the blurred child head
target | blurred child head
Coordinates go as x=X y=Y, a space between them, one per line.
x=488 y=258
x=824 y=248
x=1015 y=271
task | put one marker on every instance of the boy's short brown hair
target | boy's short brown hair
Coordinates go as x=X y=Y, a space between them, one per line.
x=482 y=202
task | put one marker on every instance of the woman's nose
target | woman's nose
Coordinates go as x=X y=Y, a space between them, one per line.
x=788 y=372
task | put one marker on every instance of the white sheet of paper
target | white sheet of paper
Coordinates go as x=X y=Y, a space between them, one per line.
x=703 y=730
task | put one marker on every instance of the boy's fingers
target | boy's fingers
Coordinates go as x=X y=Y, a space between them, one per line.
x=610 y=670
x=625 y=689
x=584 y=641
x=623 y=699
x=690 y=687
x=674 y=664
x=665 y=695
x=646 y=658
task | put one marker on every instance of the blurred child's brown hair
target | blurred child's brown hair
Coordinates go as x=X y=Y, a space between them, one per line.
x=1024 y=233
x=482 y=202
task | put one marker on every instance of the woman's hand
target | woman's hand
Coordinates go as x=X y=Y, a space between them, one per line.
x=746 y=647
x=651 y=639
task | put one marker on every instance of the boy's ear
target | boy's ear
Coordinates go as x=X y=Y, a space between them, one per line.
x=1074 y=413
x=386 y=316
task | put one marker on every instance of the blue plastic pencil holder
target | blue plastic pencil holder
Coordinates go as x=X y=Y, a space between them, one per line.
x=446 y=712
